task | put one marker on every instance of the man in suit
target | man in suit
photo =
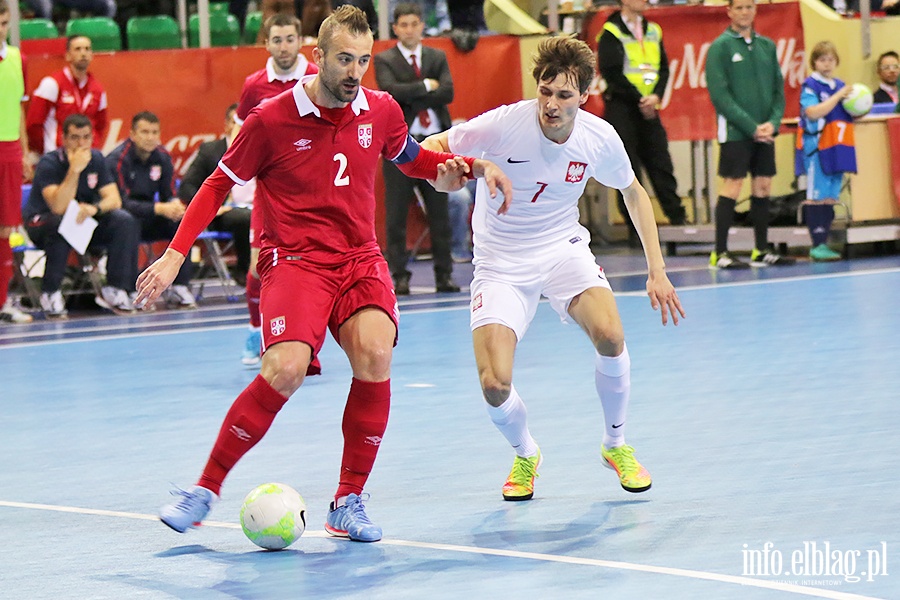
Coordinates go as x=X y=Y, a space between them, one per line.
x=419 y=79
x=234 y=215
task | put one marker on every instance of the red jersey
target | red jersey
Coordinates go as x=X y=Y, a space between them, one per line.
x=317 y=178
x=265 y=84
x=58 y=96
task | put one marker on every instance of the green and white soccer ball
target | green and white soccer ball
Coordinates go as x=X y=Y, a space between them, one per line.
x=273 y=516
x=860 y=100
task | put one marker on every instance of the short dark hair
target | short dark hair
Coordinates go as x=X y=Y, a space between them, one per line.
x=231 y=109
x=144 y=115
x=888 y=54
x=4 y=7
x=76 y=121
x=407 y=8
x=565 y=55
x=346 y=17
x=281 y=20
x=75 y=36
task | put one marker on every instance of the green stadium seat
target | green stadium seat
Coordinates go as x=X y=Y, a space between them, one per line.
x=150 y=33
x=37 y=29
x=223 y=30
x=252 y=24
x=103 y=31
x=218 y=8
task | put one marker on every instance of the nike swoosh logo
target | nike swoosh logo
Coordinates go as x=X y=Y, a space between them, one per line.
x=515 y=162
x=619 y=425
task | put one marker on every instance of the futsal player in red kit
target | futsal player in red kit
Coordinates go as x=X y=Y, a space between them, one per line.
x=314 y=151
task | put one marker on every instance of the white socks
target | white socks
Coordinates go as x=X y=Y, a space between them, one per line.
x=511 y=418
x=613 y=379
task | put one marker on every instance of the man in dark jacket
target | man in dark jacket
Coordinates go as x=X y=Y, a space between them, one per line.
x=419 y=79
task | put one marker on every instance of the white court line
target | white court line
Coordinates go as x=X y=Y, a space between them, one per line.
x=572 y=560
x=706 y=286
x=459 y=304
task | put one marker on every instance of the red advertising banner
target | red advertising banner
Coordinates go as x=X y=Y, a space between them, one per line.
x=190 y=89
x=688 y=31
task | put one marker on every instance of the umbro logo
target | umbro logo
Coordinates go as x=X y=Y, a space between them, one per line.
x=303 y=144
x=515 y=162
x=373 y=440
x=240 y=434
x=737 y=57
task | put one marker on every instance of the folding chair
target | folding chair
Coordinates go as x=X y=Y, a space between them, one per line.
x=37 y=29
x=217 y=244
x=103 y=32
x=224 y=30
x=151 y=33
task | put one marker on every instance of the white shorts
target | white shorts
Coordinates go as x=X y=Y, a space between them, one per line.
x=506 y=289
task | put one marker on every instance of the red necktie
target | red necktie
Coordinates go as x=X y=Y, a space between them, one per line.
x=424 y=119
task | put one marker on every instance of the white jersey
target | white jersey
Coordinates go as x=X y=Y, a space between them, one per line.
x=548 y=178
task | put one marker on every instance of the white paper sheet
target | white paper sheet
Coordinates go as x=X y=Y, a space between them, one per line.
x=77 y=234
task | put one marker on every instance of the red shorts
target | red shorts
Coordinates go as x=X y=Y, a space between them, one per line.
x=300 y=299
x=10 y=184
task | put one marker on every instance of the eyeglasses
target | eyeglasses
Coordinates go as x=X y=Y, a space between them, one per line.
x=889 y=68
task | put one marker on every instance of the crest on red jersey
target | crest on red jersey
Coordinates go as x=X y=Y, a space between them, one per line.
x=277 y=325
x=92 y=180
x=364 y=134
x=575 y=172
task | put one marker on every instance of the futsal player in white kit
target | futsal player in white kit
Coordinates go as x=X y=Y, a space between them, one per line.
x=549 y=148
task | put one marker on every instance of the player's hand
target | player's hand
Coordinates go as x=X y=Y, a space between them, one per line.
x=452 y=175
x=79 y=159
x=495 y=179
x=84 y=211
x=157 y=277
x=648 y=105
x=663 y=297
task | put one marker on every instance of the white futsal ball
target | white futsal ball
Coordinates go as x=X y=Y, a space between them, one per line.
x=273 y=516
x=860 y=100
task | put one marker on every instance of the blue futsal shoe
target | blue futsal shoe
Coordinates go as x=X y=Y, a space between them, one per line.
x=250 y=356
x=189 y=509
x=351 y=521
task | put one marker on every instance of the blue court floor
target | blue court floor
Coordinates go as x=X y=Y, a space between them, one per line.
x=768 y=420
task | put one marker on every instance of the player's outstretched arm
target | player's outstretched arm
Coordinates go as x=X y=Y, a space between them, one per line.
x=493 y=175
x=660 y=290
x=496 y=180
x=157 y=277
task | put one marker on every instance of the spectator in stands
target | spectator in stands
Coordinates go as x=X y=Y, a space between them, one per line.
x=99 y=8
x=826 y=151
x=888 y=72
x=418 y=77
x=746 y=87
x=14 y=163
x=143 y=171
x=75 y=173
x=73 y=90
x=284 y=67
x=632 y=59
x=234 y=215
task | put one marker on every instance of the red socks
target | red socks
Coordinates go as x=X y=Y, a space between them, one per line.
x=245 y=424
x=6 y=268
x=365 y=419
x=253 y=286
